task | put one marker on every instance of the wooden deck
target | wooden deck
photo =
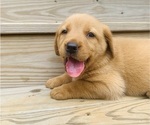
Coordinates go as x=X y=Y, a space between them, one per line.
x=28 y=61
x=33 y=105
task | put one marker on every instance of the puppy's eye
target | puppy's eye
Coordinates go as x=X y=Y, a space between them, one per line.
x=64 y=32
x=90 y=34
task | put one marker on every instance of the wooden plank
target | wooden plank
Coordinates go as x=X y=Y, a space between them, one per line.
x=34 y=16
x=22 y=28
x=30 y=59
x=30 y=28
x=132 y=34
x=32 y=105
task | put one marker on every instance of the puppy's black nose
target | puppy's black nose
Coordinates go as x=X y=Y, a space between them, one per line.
x=71 y=47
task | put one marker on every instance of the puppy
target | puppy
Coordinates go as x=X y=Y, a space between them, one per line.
x=97 y=65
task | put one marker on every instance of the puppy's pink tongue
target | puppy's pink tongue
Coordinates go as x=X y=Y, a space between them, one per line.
x=74 y=67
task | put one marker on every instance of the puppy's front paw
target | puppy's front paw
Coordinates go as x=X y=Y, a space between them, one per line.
x=52 y=83
x=59 y=93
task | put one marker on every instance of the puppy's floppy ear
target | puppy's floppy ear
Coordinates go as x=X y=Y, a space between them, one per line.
x=55 y=44
x=108 y=39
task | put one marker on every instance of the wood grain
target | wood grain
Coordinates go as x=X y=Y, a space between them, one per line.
x=34 y=16
x=32 y=105
x=30 y=59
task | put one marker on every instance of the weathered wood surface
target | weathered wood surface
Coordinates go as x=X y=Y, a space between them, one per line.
x=36 y=16
x=31 y=60
x=28 y=59
x=32 y=105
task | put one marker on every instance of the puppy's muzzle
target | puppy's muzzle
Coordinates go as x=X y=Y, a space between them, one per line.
x=71 y=48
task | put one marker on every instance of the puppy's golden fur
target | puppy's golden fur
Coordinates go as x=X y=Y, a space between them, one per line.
x=113 y=66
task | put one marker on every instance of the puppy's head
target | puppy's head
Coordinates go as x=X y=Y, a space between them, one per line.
x=80 y=40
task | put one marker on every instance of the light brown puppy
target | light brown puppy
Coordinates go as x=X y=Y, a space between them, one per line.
x=97 y=65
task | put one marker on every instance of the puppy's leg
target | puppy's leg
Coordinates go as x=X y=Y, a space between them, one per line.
x=148 y=94
x=58 y=81
x=87 y=90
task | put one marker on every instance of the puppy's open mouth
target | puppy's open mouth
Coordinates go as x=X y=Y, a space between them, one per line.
x=74 y=67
